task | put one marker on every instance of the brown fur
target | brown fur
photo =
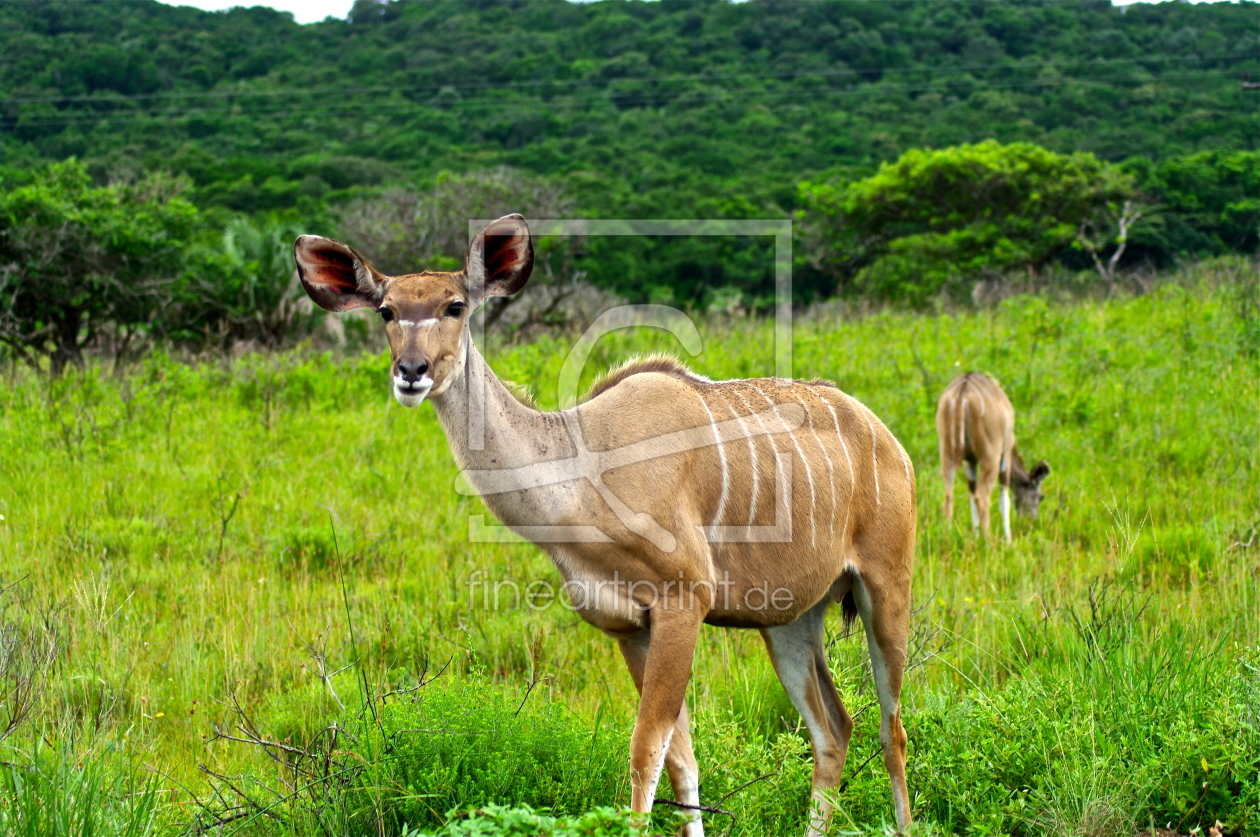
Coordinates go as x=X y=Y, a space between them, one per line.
x=698 y=517
x=521 y=393
x=975 y=425
x=662 y=364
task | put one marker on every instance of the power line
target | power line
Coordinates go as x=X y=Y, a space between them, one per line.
x=329 y=91
x=533 y=104
x=520 y=104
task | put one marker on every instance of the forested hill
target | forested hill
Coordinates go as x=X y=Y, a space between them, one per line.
x=433 y=112
x=646 y=108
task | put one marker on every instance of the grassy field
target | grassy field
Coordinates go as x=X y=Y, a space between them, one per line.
x=271 y=549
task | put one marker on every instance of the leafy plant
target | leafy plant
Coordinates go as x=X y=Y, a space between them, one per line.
x=255 y=294
x=932 y=219
x=498 y=821
x=79 y=261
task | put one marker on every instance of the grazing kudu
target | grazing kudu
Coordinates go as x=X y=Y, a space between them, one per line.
x=976 y=425
x=681 y=501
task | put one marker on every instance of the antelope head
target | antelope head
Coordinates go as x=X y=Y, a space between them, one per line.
x=426 y=314
x=1027 y=488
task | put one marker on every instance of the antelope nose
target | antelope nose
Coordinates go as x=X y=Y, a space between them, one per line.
x=412 y=370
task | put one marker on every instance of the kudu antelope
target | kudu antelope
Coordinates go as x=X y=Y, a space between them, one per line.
x=750 y=504
x=975 y=423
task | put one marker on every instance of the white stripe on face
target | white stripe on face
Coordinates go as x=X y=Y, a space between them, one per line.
x=417 y=324
x=410 y=395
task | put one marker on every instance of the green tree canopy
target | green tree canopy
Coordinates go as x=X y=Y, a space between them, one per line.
x=79 y=261
x=1209 y=202
x=932 y=218
x=645 y=108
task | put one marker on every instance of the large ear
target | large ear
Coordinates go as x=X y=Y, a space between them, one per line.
x=335 y=276
x=500 y=259
x=1039 y=472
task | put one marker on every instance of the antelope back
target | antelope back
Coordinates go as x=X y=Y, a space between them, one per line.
x=782 y=478
x=975 y=420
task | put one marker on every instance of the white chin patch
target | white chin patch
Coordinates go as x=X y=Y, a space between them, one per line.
x=411 y=395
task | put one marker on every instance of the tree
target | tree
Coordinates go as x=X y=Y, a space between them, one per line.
x=1210 y=204
x=932 y=219
x=1109 y=225
x=250 y=290
x=406 y=230
x=79 y=261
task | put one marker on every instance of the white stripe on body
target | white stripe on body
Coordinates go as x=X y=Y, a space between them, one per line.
x=844 y=447
x=905 y=463
x=962 y=425
x=874 y=463
x=831 y=468
x=752 y=457
x=689 y=794
x=778 y=465
x=813 y=500
x=971 y=495
x=717 y=437
x=765 y=431
x=1004 y=504
x=650 y=788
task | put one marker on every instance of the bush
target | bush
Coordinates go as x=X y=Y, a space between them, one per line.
x=443 y=750
x=1209 y=204
x=497 y=821
x=79 y=262
x=461 y=744
x=930 y=219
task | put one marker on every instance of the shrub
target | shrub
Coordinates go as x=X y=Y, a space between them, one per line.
x=470 y=743
x=79 y=261
x=933 y=218
x=497 y=821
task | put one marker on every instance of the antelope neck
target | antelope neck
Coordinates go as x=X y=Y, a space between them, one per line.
x=515 y=434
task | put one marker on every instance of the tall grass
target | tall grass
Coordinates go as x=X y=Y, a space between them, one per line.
x=71 y=792
x=1097 y=675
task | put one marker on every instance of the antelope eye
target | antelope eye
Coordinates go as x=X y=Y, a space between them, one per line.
x=455 y=309
x=385 y=313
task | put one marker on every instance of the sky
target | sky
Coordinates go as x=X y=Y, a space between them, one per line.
x=304 y=11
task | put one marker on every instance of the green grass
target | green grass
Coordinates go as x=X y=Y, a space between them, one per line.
x=201 y=538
